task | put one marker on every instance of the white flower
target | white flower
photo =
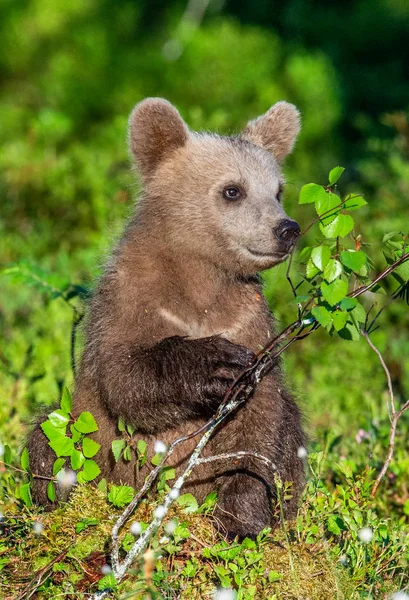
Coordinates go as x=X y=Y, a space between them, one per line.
x=302 y=452
x=343 y=559
x=170 y=527
x=400 y=596
x=225 y=594
x=106 y=570
x=38 y=527
x=66 y=478
x=136 y=528
x=160 y=447
x=174 y=493
x=365 y=535
x=1 y=449
x=159 y=512
x=164 y=540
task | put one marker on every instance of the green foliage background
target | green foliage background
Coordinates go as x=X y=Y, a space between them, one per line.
x=70 y=74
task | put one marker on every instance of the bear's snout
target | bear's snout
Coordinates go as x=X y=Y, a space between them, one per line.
x=287 y=232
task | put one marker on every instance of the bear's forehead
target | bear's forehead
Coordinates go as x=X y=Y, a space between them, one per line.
x=232 y=156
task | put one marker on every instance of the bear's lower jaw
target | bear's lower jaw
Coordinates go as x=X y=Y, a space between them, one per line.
x=269 y=259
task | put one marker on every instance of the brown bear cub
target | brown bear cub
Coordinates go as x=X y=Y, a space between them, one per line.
x=179 y=312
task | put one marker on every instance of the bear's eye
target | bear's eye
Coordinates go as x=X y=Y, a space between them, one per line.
x=232 y=193
x=280 y=193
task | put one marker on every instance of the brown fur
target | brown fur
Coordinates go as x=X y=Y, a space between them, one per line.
x=179 y=311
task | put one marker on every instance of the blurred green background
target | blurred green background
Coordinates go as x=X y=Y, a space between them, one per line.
x=70 y=73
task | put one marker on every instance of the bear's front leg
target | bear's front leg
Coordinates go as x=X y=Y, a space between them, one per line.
x=244 y=504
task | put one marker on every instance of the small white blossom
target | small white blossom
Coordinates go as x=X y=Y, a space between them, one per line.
x=302 y=452
x=365 y=535
x=174 y=493
x=160 y=512
x=1 y=449
x=106 y=570
x=66 y=478
x=225 y=594
x=38 y=527
x=160 y=447
x=170 y=527
x=400 y=596
x=136 y=528
x=164 y=540
x=343 y=559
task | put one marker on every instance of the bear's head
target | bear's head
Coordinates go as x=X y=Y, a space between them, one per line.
x=216 y=197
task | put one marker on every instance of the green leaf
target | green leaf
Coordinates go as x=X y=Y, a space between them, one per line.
x=359 y=313
x=330 y=204
x=274 y=576
x=348 y=303
x=90 y=447
x=339 y=319
x=155 y=460
x=349 y=332
x=335 y=174
x=141 y=446
x=121 y=495
x=24 y=460
x=62 y=445
x=130 y=429
x=77 y=459
x=108 y=582
x=335 y=524
x=75 y=434
x=66 y=401
x=332 y=270
x=353 y=260
x=51 y=491
x=59 y=419
x=90 y=470
x=84 y=523
x=127 y=455
x=311 y=270
x=305 y=254
x=354 y=201
x=7 y=454
x=322 y=315
x=189 y=502
x=117 y=447
x=334 y=292
x=50 y=431
x=121 y=424
x=58 y=465
x=86 y=423
x=340 y=227
x=320 y=256
x=165 y=474
x=24 y=494
x=311 y=193
x=103 y=486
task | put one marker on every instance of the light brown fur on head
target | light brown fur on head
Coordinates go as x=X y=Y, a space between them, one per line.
x=185 y=174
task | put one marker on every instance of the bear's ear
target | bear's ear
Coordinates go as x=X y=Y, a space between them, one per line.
x=276 y=130
x=155 y=129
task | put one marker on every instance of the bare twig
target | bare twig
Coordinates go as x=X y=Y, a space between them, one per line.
x=394 y=415
x=391 y=404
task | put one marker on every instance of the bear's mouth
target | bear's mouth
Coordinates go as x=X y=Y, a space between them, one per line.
x=276 y=256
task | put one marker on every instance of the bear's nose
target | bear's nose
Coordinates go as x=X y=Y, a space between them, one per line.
x=287 y=231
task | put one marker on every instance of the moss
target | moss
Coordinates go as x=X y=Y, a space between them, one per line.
x=279 y=565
